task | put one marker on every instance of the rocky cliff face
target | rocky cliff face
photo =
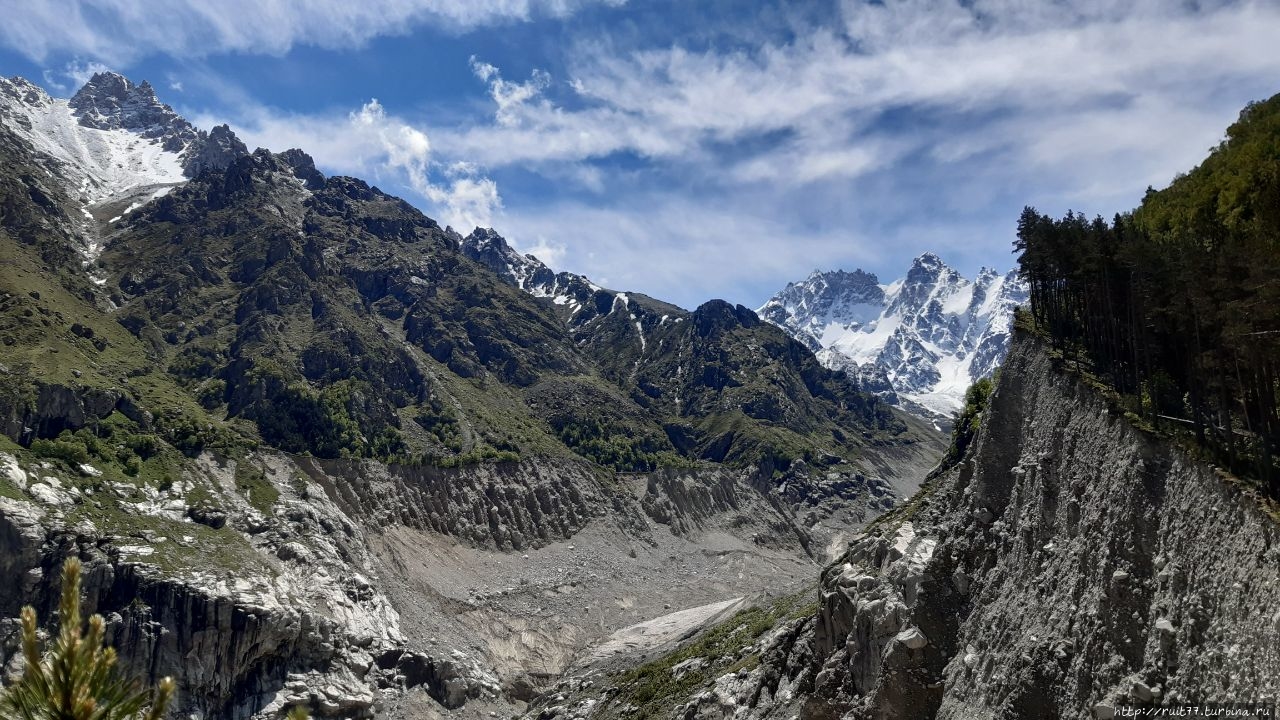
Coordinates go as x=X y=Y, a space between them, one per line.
x=1069 y=565
x=109 y=101
x=251 y=606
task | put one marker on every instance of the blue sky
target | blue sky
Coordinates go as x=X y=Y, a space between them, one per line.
x=692 y=150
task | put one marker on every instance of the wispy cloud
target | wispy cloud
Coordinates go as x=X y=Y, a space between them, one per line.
x=510 y=97
x=692 y=161
x=962 y=110
x=679 y=248
x=378 y=146
x=118 y=31
x=72 y=76
x=828 y=94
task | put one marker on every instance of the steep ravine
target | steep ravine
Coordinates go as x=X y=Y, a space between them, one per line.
x=357 y=588
x=1071 y=564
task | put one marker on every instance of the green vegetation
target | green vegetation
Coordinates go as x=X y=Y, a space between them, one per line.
x=11 y=491
x=617 y=447
x=1175 y=305
x=253 y=482
x=66 y=448
x=441 y=422
x=77 y=679
x=967 y=424
x=653 y=687
x=482 y=454
x=327 y=423
x=116 y=446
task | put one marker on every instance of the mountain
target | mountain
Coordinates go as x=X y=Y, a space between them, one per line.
x=1099 y=541
x=1050 y=572
x=919 y=341
x=316 y=450
x=112 y=147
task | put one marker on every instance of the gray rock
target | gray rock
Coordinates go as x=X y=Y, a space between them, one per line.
x=215 y=518
x=912 y=638
x=1141 y=692
x=1061 y=516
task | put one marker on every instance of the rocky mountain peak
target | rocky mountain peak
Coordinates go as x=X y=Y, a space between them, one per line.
x=215 y=150
x=919 y=341
x=109 y=101
x=526 y=272
x=304 y=167
x=929 y=268
x=715 y=316
x=488 y=238
x=103 y=85
x=849 y=295
x=23 y=91
x=841 y=277
x=858 y=281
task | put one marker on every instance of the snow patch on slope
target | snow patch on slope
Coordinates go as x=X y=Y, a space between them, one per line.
x=96 y=165
x=924 y=338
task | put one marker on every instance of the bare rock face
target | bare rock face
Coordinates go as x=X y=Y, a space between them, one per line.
x=214 y=150
x=289 y=594
x=251 y=613
x=1070 y=563
x=109 y=101
x=505 y=506
x=689 y=502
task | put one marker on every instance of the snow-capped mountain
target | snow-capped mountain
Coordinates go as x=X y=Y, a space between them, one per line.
x=113 y=145
x=921 y=340
x=573 y=292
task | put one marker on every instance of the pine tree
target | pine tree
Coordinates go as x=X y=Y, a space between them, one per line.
x=77 y=679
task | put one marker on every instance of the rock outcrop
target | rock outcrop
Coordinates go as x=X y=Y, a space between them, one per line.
x=1070 y=566
x=216 y=150
x=109 y=101
x=508 y=506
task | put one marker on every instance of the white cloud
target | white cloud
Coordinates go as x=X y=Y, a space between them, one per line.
x=78 y=72
x=679 y=249
x=553 y=254
x=118 y=31
x=52 y=83
x=467 y=200
x=397 y=145
x=72 y=76
x=510 y=97
x=932 y=56
x=960 y=111
x=379 y=147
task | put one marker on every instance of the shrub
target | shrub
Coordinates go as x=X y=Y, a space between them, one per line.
x=69 y=450
x=967 y=424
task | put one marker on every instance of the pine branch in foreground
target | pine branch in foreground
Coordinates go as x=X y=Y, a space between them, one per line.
x=77 y=679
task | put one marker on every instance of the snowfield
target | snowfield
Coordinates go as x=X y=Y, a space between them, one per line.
x=930 y=335
x=98 y=165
